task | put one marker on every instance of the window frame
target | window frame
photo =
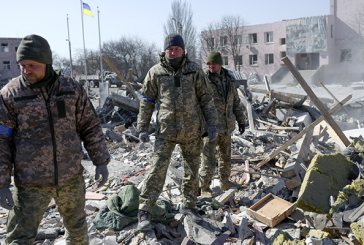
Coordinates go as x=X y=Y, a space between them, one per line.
x=253 y=62
x=251 y=38
x=239 y=58
x=223 y=41
x=238 y=41
x=225 y=60
x=267 y=37
x=5 y=48
x=6 y=65
x=268 y=58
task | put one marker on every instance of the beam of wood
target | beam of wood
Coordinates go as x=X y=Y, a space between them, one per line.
x=122 y=79
x=250 y=116
x=337 y=101
x=322 y=132
x=357 y=213
x=333 y=135
x=300 y=134
x=315 y=100
x=288 y=95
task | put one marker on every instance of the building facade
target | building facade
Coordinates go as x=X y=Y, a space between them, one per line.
x=9 y=68
x=331 y=46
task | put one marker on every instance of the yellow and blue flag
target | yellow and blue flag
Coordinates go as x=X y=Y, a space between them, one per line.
x=87 y=10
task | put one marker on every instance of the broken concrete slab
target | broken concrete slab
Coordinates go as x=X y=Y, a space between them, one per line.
x=326 y=176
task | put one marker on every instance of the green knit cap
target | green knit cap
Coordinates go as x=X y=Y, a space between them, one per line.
x=34 y=47
x=215 y=57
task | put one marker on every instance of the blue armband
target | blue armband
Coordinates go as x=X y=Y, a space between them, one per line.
x=6 y=131
x=149 y=99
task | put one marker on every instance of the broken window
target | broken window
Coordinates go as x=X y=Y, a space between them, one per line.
x=268 y=37
x=225 y=60
x=283 y=54
x=345 y=55
x=238 y=39
x=253 y=39
x=5 y=47
x=269 y=59
x=6 y=65
x=223 y=41
x=253 y=59
x=239 y=60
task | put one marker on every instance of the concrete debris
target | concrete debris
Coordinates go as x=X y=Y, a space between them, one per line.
x=285 y=155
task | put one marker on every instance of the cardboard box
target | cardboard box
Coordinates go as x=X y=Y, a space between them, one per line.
x=271 y=210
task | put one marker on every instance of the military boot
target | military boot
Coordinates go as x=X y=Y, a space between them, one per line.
x=228 y=184
x=207 y=192
x=144 y=218
x=192 y=213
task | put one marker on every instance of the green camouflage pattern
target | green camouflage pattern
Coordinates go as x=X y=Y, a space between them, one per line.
x=228 y=104
x=181 y=98
x=30 y=203
x=229 y=109
x=31 y=147
x=153 y=184
x=208 y=163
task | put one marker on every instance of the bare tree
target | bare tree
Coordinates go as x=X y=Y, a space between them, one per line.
x=181 y=20
x=225 y=35
x=61 y=63
x=130 y=52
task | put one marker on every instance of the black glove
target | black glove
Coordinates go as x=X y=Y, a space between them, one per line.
x=102 y=169
x=5 y=194
x=144 y=136
x=213 y=132
x=241 y=128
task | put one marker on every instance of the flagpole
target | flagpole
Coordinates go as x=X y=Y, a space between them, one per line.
x=101 y=70
x=83 y=35
x=69 y=42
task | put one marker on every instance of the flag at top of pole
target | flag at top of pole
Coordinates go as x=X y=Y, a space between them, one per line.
x=87 y=10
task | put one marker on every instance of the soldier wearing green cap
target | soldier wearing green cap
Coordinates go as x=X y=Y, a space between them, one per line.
x=229 y=110
x=44 y=117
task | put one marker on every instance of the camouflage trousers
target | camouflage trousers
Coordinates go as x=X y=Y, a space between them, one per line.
x=208 y=163
x=153 y=184
x=30 y=203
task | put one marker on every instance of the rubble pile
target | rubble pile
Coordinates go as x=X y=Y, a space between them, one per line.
x=296 y=188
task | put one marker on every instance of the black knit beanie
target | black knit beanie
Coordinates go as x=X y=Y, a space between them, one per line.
x=34 y=47
x=173 y=39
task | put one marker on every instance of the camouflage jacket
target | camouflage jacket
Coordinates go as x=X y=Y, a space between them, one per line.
x=228 y=105
x=180 y=96
x=41 y=135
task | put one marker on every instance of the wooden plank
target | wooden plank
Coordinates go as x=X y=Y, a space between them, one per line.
x=333 y=134
x=357 y=213
x=289 y=95
x=337 y=101
x=322 y=132
x=250 y=116
x=226 y=195
x=300 y=134
x=316 y=100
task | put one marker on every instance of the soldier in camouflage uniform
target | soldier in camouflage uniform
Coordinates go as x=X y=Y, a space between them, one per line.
x=229 y=109
x=44 y=117
x=178 y=88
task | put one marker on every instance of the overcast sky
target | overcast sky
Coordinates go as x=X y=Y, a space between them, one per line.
x=144 y=18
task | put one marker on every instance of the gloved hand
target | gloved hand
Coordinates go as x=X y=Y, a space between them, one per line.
x=241 y=128
x=144 y=136
x=6 y=199
x=102 y=169
x=213 y=132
